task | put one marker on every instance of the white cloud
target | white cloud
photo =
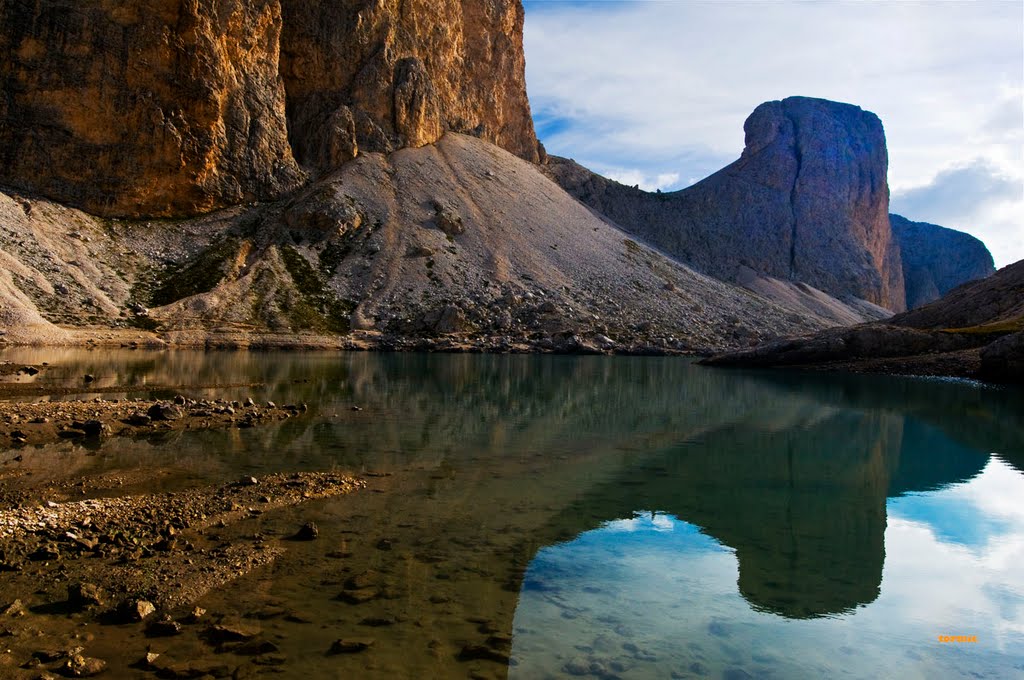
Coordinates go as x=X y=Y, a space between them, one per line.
x=635 y=177
x=976 y=198
x=660 y=88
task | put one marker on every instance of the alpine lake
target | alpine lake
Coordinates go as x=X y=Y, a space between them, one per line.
x=537 y=517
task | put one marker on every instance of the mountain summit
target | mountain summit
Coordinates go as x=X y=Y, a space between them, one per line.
x=806 y=202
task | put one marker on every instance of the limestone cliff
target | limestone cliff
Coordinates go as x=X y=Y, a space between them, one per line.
x=807 y=201
x=375 y=76
x=936 y=259
x=178 y=107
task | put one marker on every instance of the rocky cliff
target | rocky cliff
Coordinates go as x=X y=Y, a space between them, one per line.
x=807 y=201
x=178 y=107
x=380 y=75
x=936 y=259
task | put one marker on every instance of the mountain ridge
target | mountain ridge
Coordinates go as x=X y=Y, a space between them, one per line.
x=367 y=174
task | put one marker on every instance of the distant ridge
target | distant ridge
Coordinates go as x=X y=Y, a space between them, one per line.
x=937 y=259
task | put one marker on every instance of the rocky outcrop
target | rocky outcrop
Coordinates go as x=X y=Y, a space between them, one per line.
x=807 y=201
x=178 y=107
x=936 y=259
x=998 y=299
x=974 y=331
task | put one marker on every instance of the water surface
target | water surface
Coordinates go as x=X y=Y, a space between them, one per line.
x=613 y=517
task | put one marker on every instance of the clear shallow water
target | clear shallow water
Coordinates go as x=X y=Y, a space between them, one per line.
x=621 y=517
x=654 y=595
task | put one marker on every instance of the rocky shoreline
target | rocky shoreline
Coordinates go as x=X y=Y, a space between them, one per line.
x=23 y=424
x=115 y=550
x=589 y=341
x=138 y=561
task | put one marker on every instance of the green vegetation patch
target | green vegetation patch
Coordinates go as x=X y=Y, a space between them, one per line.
x=341 y=247
x=199 y=275
x=143 y=323
x=997 y=327
x=317 y=308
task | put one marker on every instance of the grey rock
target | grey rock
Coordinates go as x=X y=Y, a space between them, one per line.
x=350 y=645
x=164 y=411
x=222 y=633
x=139 y=419
x=84 y=595
x=807 y=201
x=79 y=666
x=1003 y=359
x=94 y=428
x=936 y=259
x=136 y=610
x=308 y=532
x=16 y=608
x=448 y=219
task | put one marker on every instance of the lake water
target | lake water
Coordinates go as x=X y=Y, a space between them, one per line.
x=604 y=517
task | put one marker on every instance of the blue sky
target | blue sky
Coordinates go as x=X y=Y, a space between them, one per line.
x=655 y=92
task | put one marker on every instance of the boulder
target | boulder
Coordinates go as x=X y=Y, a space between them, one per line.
x=1003 y=360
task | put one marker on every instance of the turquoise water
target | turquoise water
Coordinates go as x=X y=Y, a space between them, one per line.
x=613 y=517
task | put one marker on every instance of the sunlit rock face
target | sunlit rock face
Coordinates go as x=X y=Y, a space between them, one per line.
x=178 y=107
x=377 y=75
x=144 y=108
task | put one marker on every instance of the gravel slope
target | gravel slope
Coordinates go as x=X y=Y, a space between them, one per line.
x=459 y=241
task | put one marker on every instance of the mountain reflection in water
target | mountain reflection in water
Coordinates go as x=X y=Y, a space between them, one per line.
x=782 y=516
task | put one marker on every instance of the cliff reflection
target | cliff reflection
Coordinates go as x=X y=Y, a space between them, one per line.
x=800 y=495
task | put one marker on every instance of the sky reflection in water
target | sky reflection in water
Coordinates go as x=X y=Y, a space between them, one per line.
x=656 y=596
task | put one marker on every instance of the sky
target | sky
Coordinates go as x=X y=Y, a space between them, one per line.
x=655 y=92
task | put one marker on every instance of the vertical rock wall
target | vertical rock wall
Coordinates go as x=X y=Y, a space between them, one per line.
x=807 y=201
x=178 y=107
x=143 y=108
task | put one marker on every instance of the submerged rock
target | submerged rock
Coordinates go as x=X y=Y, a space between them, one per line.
x=84 y=595
x=308 y=532
x=79 y=666
x=351 y=645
